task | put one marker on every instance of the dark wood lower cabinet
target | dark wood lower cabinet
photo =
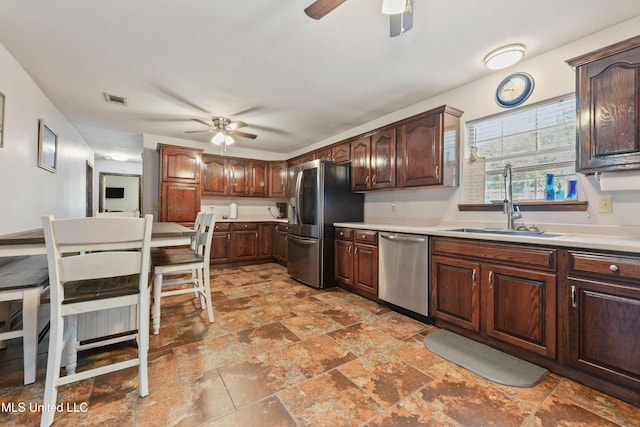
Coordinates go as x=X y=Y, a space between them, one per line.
x=281 y=250
x=249 y=242
x=365 y=268
x=484 y=289
x=356 y=261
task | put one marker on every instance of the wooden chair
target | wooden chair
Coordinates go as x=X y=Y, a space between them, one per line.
x=94 y=264
x=23 y=279
x=181 y=261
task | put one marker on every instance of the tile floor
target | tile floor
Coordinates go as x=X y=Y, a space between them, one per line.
x=284 y=354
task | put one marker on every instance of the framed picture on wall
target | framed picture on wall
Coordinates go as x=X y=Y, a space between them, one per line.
x=47 y=147
x=1 y=119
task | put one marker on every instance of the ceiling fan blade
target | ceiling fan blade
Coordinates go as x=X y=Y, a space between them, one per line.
x=320 y=8
x=203 y=122
x=243 y=134
x=402 y=22
x=198 y=131
x=236 y=125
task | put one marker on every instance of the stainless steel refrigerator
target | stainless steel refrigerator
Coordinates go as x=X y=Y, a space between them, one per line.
x=319 y=195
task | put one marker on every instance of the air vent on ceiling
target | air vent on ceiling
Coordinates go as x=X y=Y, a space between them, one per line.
x=115 y=99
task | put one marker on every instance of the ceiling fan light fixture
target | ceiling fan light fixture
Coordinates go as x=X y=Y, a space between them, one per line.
x=218 y=138
x=228 y=139
x=393 y=7
x=504 y=57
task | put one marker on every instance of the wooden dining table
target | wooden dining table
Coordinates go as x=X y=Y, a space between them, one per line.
x=31 y=242
x=13 y=249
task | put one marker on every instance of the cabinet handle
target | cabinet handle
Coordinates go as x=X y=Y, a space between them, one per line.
x=356 y=252
x=613 y=268
x=228 y=237
x=349 y=250
x=366 y=180
x=256 y=234
x=437 y=171
x=491 y=279
x=473 y=277
x=574 y=304
x=373 y=179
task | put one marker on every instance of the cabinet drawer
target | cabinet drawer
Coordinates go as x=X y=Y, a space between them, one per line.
x=240 y=226
x=366 y=236
x=518 y=255
x=282 y=228
x=610 y=266
x=344 y=233
x=222 y=226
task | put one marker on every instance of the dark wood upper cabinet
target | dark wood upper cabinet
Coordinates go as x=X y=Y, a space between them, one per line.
x=179 y=164
x=360 y=158
x=179 y=183
x=277 y=179
x=322 y=154
x=239 y=177
x=341 y=153
x=428 y=146
x=215 y=176
x=608 y=107
x=383 y=159
x=258 y=178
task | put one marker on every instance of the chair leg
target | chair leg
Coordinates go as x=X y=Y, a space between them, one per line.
x=71 y=342
x=30 y=308
x=143 y=343
x=157 y=287
x=206 y=284
x=5 y=315
x=54 y=360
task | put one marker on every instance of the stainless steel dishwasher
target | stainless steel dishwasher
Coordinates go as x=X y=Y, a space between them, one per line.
x=403 y=276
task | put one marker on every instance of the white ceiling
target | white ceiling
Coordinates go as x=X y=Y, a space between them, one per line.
x=294 y=80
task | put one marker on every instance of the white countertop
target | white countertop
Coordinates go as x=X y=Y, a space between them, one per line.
x=572 y=240
x=252 y=218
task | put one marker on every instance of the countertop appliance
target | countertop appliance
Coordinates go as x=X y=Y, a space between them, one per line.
x=319 y=195
x=403 y=275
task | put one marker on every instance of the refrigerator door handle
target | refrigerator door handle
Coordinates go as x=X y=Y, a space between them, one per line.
x=298 y=198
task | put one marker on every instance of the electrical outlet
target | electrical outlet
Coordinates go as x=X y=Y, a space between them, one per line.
x=605 y=204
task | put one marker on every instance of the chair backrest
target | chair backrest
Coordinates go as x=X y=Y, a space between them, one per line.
x=197 y=225
x=93 y=248
x=119 y=214
x=205 y=235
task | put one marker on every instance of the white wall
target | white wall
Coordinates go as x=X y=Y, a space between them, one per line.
x=28 y=192
x=553 y=77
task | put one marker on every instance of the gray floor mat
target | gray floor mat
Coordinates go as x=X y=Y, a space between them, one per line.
x=483 y=360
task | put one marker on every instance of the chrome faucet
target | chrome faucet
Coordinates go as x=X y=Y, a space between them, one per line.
x=512 y=212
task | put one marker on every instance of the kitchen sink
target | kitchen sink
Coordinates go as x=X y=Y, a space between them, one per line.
x=504 y=231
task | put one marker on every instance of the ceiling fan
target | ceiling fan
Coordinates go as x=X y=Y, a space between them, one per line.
x=223 y=129
x=400 y=13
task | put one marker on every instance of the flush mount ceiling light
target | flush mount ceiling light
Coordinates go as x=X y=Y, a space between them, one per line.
x=118 y=157
x=393 y=7
x=504 y=57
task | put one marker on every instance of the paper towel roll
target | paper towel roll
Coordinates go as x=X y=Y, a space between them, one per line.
x=233 y=211
x=619 y=180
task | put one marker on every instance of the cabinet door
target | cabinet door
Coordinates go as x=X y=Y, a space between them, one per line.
x=365 y=268
x=180 y=165
x=238 y=177
x=307 y=158
x=265 y=240
x=323 y=155
x=455 y=292
x=343 y=261
x=179 y=202
x=420 y=147
x=244 y=245
x=383 y=159
x=609 y=112
x=215 y=177
x=360 y=154
x=283 y=247
x=278 y=180
x=602 y=330
x=521 y=308
x=341 y=153
x=221 y=247
x=258 y=179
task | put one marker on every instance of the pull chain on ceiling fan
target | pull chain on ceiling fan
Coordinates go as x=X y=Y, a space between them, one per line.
x=400 y=13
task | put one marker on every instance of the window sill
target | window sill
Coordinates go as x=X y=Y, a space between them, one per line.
x=534 y=205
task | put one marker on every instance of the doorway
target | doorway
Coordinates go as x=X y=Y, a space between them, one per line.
x=119 y=192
